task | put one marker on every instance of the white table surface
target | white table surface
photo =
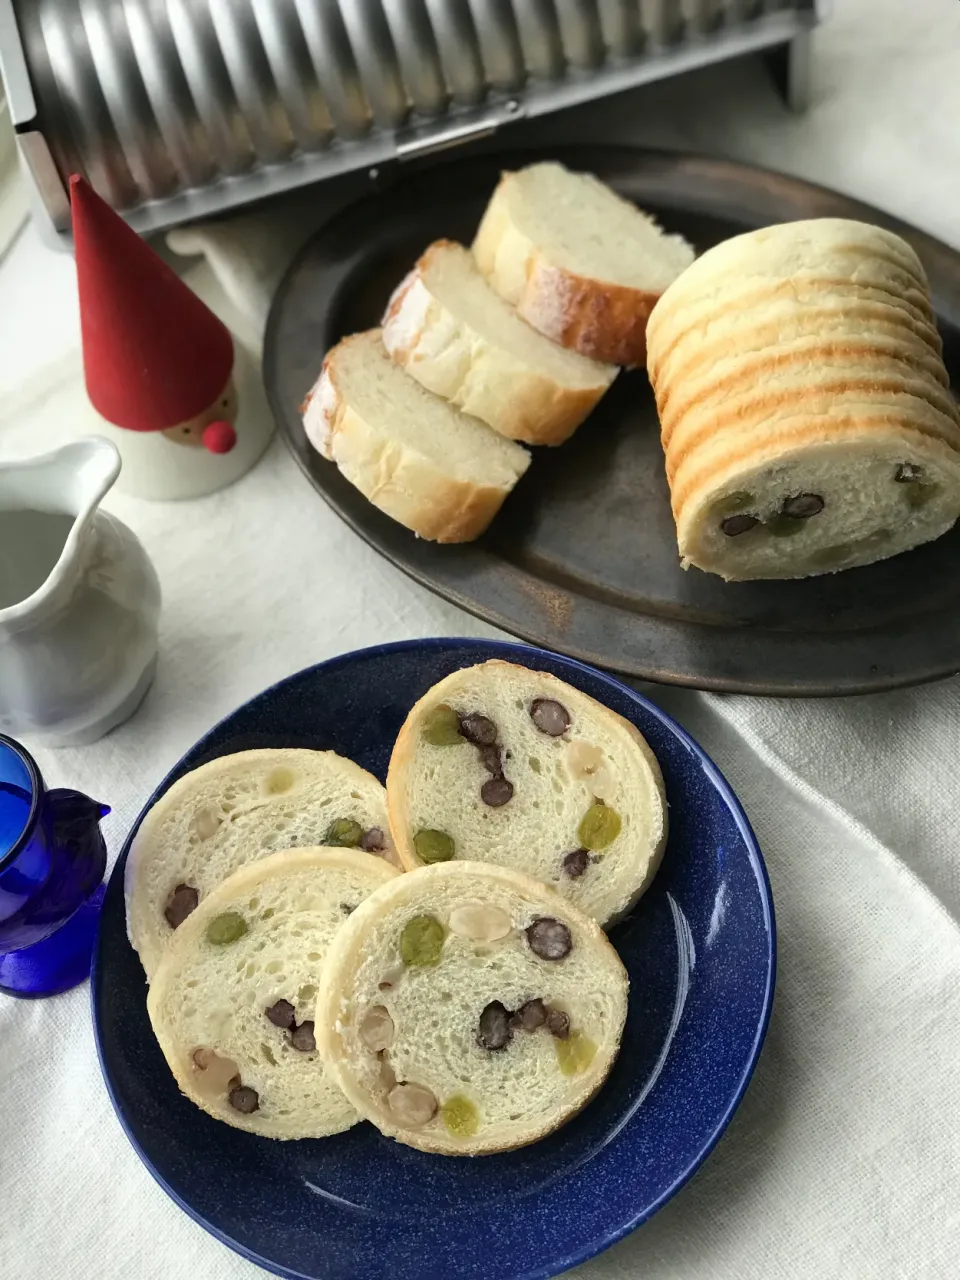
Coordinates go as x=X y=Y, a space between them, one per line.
x=844 y=1159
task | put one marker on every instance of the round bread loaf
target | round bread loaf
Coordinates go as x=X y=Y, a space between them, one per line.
x=806 y=415
x=232 y=1002
x=235 y=810
x=498 y=763
x=468 y=1009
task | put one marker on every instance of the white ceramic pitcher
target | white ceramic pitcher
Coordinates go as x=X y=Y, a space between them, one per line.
x=79 y=599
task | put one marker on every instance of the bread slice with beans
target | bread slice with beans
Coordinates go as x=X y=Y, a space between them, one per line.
x=806 y=415
x=238 y=809
x=233 y=1000
x=451 y=331
x=437 y=471
x=468 y=1009
x=499 y=763
x=581 y=264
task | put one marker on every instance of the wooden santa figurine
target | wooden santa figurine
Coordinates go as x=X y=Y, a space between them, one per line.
x=180 y=400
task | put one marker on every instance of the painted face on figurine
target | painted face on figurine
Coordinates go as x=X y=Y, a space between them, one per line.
x=212 y=429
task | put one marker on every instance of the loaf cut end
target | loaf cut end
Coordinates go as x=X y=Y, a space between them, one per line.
x=806 y=414
x=814 y=511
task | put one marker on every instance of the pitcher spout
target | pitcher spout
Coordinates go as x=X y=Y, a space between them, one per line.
x=46 y=506
x=74 y=814
x=72 y=480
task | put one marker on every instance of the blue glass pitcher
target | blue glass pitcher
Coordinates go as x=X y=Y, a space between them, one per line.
x=52 y=860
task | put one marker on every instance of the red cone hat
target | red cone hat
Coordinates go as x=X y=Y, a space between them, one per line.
x=154 y=355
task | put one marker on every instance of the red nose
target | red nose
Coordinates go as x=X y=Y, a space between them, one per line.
x=219 y=437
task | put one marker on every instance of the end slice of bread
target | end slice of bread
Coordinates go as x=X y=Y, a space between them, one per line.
x=233 y=1001
x=581 y=265
x=469 y=1009
x=498 y=763
x=452 y=332
x=235 y=810
x=437 y=471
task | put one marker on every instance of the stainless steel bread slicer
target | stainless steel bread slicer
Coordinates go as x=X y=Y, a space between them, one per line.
x=180 y=109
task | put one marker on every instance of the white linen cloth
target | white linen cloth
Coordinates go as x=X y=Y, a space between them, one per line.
x=843 y=1163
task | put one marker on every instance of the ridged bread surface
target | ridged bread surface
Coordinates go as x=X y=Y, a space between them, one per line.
x=581 y=264
x=451 y=331
x=437 y=471
x=438 y=787
x=214 y=997
x=234 y=810
x=519 y=1093
x=803 y=361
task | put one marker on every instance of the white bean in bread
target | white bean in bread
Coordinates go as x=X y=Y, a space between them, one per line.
x=581 y=264
x=437 y=471
x=806 y=414
x=233 y=1000
x=469 y=1009
x=499 y=763
x=452 y=332
x=235 y=810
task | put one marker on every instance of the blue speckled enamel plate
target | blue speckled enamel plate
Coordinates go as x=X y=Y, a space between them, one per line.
x=700 y=950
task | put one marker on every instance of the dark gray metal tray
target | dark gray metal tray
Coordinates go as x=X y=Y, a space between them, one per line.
x=583 y=557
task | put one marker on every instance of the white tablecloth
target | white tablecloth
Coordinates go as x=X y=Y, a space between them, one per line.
x=844 y=1159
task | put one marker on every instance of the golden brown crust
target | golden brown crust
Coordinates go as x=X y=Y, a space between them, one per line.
x=604 y=321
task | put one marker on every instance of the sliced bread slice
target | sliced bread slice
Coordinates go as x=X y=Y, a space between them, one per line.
x=235 y=810
x=580 y=264
x=233 y=1000
x=452 y=332
x=468 y=1009
x=498 y=763
x=437 y=471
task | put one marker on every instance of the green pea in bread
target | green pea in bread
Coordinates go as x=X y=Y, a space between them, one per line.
x=501 y=764
x=235 y=810
x=232 y=1001
x=806 y=414
x=468 y=1009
